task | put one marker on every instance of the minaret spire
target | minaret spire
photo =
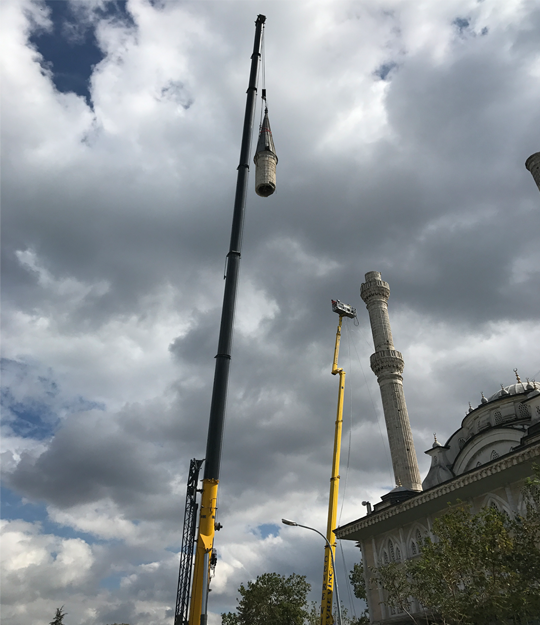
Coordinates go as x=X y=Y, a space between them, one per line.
x=387 y=364
x=265 y=160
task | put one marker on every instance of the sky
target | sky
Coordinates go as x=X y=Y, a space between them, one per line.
x=402 y=128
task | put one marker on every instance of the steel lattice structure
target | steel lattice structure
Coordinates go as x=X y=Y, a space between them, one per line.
x=188 y=542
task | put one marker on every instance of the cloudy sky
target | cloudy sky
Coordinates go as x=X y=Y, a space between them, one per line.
x=402 y=128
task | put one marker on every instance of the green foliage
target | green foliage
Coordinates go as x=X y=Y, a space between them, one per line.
x=271 y=599
x=229 y=618
x=358 y=582
x=482 y=568
x=58 y=617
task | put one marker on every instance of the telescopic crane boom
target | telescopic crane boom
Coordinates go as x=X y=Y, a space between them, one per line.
x=207 y=516
x=343 y=310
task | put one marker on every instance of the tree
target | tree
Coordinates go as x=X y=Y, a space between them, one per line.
x=358 y=582
x=480 y=568
x=271 y=599
x=58 y=617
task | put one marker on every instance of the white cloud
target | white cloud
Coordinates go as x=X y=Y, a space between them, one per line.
x=116 y=221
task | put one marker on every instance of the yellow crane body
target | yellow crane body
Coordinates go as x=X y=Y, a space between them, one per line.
x=205 y=542
x=343 y=310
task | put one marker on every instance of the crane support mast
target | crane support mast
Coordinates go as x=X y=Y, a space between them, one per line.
x=207 y=518
x=188 y=542
x=343 y=310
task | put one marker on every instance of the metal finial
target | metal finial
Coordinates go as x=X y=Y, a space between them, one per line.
x=398 y=483
x=517 y=376
x=470 y=407
x=484 y=400
x=435 y=441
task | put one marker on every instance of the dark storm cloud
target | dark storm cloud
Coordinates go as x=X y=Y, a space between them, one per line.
x=87 y=460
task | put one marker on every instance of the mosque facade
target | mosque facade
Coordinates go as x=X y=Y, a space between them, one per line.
x=485 y=462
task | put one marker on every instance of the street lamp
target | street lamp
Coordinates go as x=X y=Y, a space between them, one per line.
x=294 y=524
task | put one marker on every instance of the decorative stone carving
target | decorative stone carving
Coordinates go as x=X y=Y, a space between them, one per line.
x=387 y=361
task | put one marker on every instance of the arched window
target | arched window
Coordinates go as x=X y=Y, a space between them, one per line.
x=493 y=505
x=385 y=557
x=494 y=455
x=414 y=550
x=498 y=417
x=391 y=550
x=398 y=554
x=419 y=539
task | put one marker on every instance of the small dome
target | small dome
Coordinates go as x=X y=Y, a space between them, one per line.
x=515 y=389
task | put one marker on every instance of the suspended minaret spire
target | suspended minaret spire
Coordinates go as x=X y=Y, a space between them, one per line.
x=265 y=160
x=387 y=364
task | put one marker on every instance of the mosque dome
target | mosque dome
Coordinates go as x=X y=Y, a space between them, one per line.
x=515 y=389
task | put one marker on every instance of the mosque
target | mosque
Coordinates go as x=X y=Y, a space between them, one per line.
x=485 y=462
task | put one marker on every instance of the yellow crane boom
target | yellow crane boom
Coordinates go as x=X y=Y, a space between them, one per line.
x=343 y=310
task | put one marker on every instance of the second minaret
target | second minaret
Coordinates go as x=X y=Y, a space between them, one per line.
x=387 y=364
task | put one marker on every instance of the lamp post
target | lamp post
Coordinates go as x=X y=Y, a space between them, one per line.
x=294 y=524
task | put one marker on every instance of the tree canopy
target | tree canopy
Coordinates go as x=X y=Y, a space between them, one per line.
x=272 y=599
x=481 y=568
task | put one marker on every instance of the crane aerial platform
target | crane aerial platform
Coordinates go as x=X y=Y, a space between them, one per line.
x=343 y=310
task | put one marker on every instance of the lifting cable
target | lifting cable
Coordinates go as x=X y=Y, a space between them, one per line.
x=349 y=584
x=263 y=79
x=349 y=391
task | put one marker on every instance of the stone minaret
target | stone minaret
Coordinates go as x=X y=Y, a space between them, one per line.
x=265 y=160
x=387 y=364
x=533 y=165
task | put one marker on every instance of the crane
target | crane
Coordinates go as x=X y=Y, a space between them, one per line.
x=188 y=542
x=343 y=310
x=205 y=556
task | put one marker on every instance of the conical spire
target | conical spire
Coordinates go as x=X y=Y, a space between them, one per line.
x=265 y=160
x=266 y=141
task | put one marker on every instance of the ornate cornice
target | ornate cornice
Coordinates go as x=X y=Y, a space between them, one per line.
x=375 y=289
x=506 y=462
x=387 y=361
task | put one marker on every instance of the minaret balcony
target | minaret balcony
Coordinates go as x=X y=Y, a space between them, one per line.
x=387 y=361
